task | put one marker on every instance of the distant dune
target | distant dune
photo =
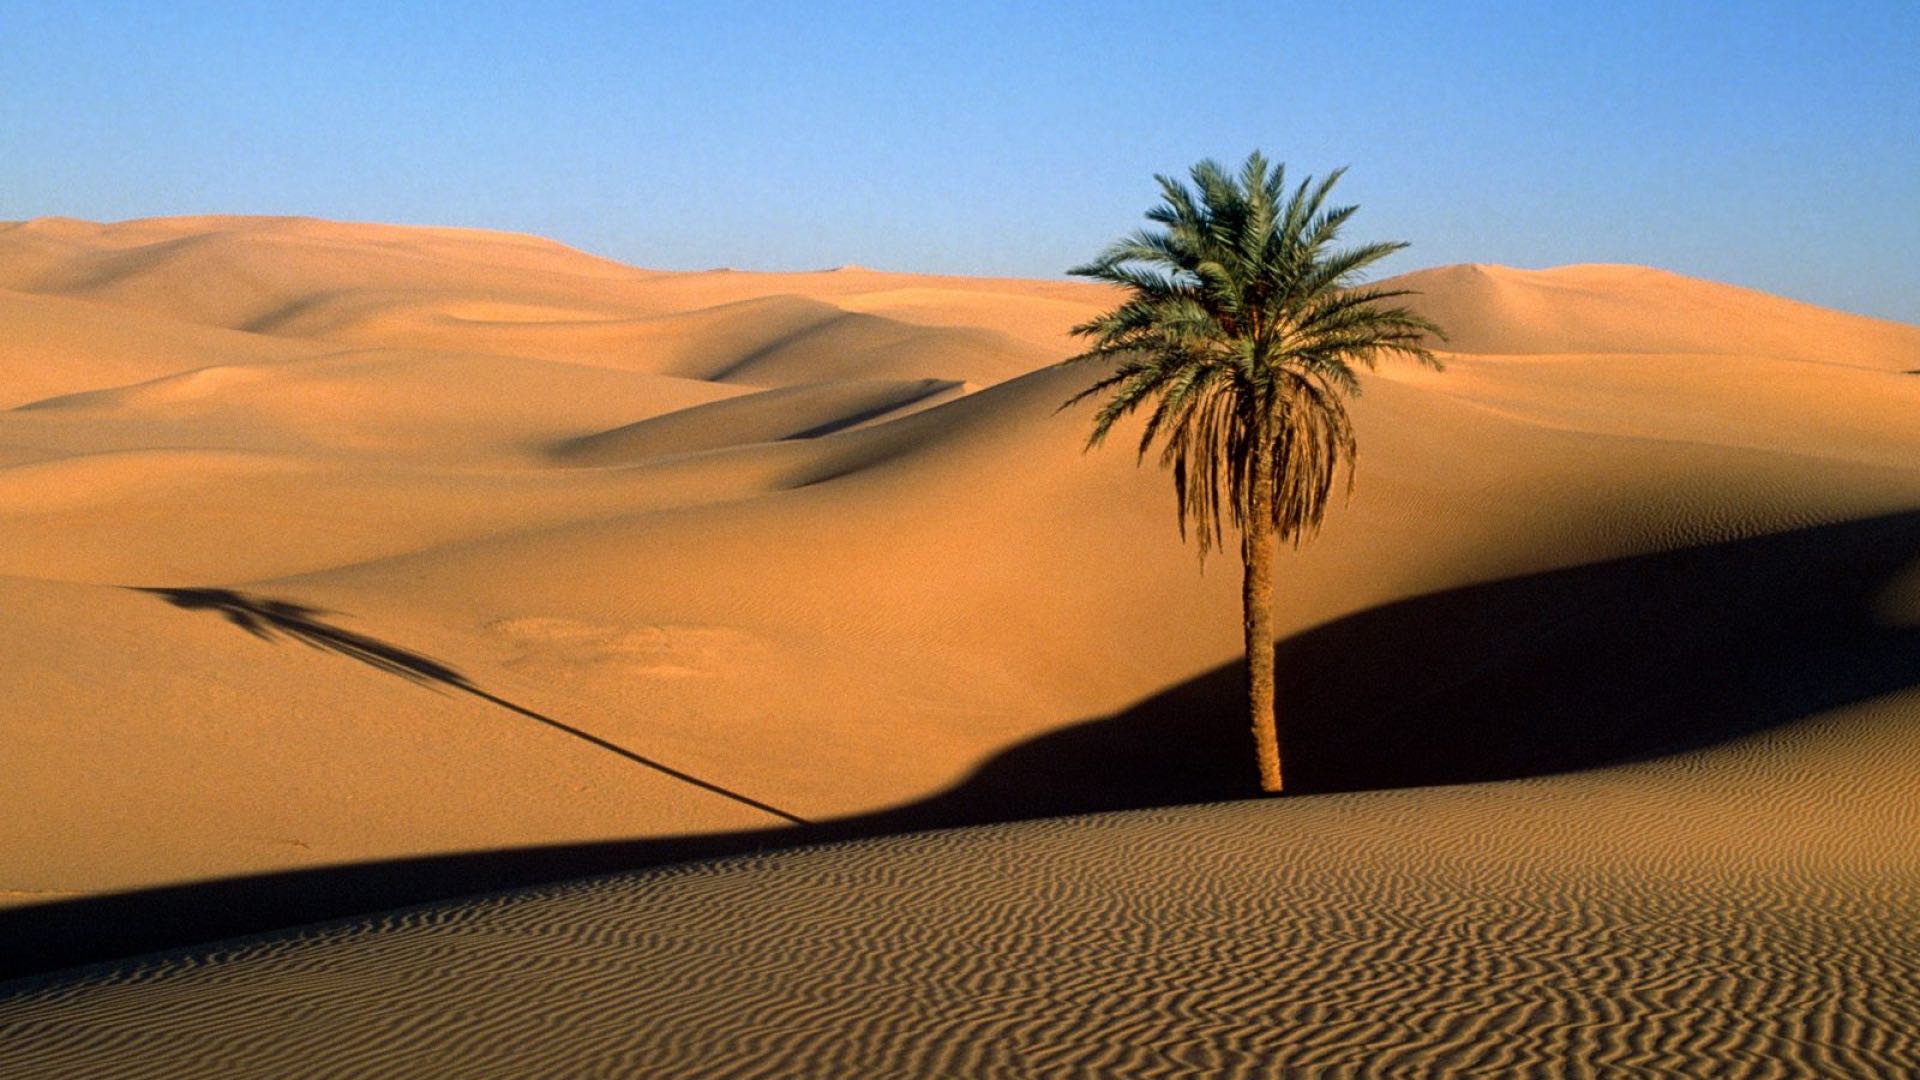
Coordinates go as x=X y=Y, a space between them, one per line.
x=351 y=566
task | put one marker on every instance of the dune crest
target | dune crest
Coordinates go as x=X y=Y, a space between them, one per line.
x=828 y=539
x=1609 y=308
x=441 y=431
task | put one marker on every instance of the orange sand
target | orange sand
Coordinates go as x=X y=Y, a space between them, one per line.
x=823 y=542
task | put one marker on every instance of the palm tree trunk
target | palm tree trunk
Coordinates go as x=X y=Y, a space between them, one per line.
x=1256 y=600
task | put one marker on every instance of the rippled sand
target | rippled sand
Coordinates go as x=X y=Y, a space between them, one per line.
x=349 y=567
x=1744 y=911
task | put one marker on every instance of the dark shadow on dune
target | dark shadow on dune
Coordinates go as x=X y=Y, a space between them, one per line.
x=834 y=321
x=927 y=388
x=1598 y=664
x=266 y=618
x=1607 y=663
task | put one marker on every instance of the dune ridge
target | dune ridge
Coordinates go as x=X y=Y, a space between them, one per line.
x=827 y=538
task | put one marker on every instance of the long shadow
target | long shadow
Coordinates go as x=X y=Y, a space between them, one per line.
x=1597 y=664
x=927 y=388
x=266 y=618
x=1602 y=664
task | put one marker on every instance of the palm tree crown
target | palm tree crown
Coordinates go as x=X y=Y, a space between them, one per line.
x=1243 y=326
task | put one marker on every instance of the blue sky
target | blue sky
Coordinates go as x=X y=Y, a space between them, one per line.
x=1770 y=145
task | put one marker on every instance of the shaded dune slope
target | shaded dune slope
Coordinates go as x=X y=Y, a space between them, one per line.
x=1739 y=910
x=1423 y=691
x=795 y=412
x=825 y=541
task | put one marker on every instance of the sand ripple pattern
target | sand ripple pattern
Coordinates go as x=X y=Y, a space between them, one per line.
x=1745 y=911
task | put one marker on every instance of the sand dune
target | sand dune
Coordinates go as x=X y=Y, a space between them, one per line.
x=1614 y=922
x=57 y=346
x=421 y=403
x=615 y=565
x=1613 y=309
x=804 y=411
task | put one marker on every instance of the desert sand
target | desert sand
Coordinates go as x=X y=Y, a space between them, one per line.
x=345 y=567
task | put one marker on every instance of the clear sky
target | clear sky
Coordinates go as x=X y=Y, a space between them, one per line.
x=1775 y=145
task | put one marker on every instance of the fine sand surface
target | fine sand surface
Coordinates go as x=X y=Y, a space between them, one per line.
x=349 y=566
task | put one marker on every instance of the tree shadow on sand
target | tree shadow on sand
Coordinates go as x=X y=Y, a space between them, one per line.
x=266 y=619
x=1599 y=664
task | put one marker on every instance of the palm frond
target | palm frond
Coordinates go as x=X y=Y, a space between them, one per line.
x=1241 y=334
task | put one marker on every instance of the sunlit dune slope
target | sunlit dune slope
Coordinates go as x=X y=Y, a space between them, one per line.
x=1634 y=309
x=55 y=346
x=825 y=540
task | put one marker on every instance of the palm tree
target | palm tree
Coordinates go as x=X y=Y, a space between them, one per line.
x=1242 y=327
